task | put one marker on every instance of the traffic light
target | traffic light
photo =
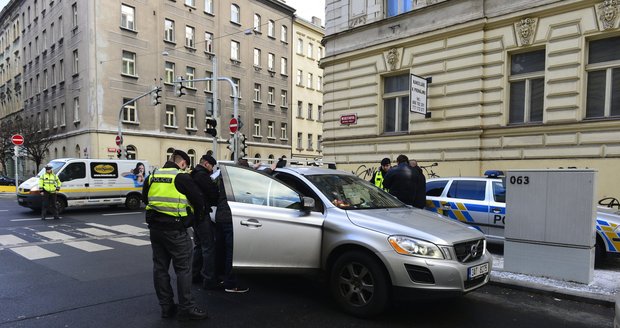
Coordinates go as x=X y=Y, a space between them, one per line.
x=242 y=146
x=125 y=154
x=118 y=153
x=211 y=126
x=179 y=89
x=231 y=144
x=155 y=96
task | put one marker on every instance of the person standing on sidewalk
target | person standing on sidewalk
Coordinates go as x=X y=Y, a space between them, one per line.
x=49 y=184
x=172 y=201
x=203 y=264
x=379 y=175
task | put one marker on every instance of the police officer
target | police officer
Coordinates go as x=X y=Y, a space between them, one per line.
x=379 y=175
x=49 y=184
x=172 y=201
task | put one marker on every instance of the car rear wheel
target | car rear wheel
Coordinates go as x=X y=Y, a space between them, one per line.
x=132 y=202
x=60 y=205
x=600 y=252
x=359 y=284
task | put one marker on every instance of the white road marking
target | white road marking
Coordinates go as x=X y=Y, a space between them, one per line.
x=11 y=240
x=4 y=210
x=17 y=220
x=123 y=228
x=55 y=235
x=132 y=241
x=87 y=246
x=114 y=214
x=96 y=232
x=33 y=252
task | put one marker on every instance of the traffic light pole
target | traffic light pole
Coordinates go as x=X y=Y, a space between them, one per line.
x=120 y=116
x=216 y=112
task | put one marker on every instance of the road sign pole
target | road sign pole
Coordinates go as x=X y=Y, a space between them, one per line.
x=16 y=150
x=215 y=95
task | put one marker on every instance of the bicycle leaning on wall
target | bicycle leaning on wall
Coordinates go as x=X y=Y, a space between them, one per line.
x=428 y=169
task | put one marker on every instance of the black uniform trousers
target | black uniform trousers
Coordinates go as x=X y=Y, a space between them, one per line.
x=172 y=246
x=48 y=199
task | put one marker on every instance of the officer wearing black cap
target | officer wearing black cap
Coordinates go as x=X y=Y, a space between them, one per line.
x=49 y=184
x=203 y=264
x=172 y=201
x=379 y=175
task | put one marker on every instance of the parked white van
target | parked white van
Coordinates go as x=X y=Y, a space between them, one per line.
x=90 y=182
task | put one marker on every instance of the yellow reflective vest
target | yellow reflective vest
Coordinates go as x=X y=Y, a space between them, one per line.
x=379 y=180
x=163 y=196
x=49 y=182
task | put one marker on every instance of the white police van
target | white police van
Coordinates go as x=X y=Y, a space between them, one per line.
x=481 y=203
x=90 y=182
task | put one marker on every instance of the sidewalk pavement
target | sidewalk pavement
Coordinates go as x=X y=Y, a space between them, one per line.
x=602 y=289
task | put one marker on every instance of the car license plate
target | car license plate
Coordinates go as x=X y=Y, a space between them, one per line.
x=477 y=270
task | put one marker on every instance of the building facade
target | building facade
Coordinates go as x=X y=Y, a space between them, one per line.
x=307 y=111
x=82 y=60
x=515 y=84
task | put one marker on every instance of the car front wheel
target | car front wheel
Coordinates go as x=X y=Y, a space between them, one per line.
x=132 y=202
x=359 y=284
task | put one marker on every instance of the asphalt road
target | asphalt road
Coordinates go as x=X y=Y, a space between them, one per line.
x=104 y=279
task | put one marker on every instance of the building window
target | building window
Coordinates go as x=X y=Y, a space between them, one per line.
x=61 y=70
x=169 y=30
x=397 y=7
x=234 y=50
x=300 y=108
x=190 y=74
x=209 y=6
x=171 y=116
x=237 y=83
x=169 y=153
x=132 y=153
x=319 y=143
x=283 y=33
x=63 y=115
x=319 y=83
x=192 y=158
x=309 y=140
x=319 y=53
x=209 y=84
x=271 y=127
x=257 y=92
x=76 y=109
x=309 y=81
x=300 y=46
x=271 y=29
x=235 y=14
x=603 y=69
x=45 y=81
x=283 y=131
x=190 y=122
x=75 y=15
x=61 y=30
x=191 y=3
x=54 y=117
x=283 y=98
x=76 y=67
x=310 y=50
x=310 y=110
x=209 y=42
x=300 y=76
x=283 y=66
x=271 y=96
x=256 y=57
x=53 y=74
x=169 y=71
x=319 y=113
x=396 y=103
x=127 y=17
x=129 y=63
x=190 y=38
x=52 y=39
x=257 y=22
x=527 y=87
x=130 y=111
x=257 y=127
x=46 y=119
x=300 y=140
x=271 y=62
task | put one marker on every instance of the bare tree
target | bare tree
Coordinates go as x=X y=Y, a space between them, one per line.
x=36 y=142
x=7 y=129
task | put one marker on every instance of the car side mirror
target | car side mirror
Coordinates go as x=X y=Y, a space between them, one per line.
x=307 y=204
x=62 y=176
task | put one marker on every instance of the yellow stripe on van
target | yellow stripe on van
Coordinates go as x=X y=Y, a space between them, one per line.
x=71 y=190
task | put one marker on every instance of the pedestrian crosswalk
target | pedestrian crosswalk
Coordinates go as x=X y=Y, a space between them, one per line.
x=34 y=245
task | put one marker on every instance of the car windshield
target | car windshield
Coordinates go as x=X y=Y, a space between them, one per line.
x=352 y=193
x=55 y=167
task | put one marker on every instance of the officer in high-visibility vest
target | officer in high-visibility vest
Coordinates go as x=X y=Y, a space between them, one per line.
x=49 y=184
x=379 y=175
x=173 y=201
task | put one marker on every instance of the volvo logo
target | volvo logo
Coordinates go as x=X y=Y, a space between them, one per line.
x=473 y=251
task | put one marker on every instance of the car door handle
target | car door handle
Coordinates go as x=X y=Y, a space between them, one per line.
x=86 y=184
x=251 y=223
x=445 y=207
x=496 y=210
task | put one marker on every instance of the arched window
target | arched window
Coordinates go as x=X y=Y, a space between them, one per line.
x=55 y=153
x=169 y=153
x=64 y=152
x=192 y=158
x=257 y=158
x=271 y=158
x=131 y=152
x=77 y=151
x=235 y=14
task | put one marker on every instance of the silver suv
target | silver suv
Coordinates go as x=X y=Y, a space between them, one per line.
x=369 y=245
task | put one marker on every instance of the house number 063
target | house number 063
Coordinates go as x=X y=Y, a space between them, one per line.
x=519 y=180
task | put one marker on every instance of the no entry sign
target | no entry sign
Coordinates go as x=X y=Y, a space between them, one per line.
x=17 y=139
x=119 y=140
x=233 y=125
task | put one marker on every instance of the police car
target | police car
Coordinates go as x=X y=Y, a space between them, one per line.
x=481 y=203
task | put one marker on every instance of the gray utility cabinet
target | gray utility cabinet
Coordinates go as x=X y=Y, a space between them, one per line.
x=550 y=223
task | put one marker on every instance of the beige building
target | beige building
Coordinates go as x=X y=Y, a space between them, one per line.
x=82 y=60
x=515 y=84
x=307 y=89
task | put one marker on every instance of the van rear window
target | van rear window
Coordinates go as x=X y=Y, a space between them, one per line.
x=101 y=170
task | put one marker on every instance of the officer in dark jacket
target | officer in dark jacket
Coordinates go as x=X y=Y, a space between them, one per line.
x=172 y=201
x=203 y=264
x=405 y=183
x=379 y=175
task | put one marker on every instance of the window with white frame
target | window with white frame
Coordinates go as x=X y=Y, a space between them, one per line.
x=45 y=81
x=271 y=95
x=54 y=117
x=527 y=87
x=61 y=31
x=283 y=98
x=209 y=84
x=46 y=124
x=169 y=30
x=129 y=63
x=190 y=122
x=397 y=7
x=76 y=109
x=132 y=152
x=319 y=113
x=74 y=10
x=169 y=72
x=319 y=143
x=76 y=66
x=237 y=83
x=319 y=53
x=257 y=127
x=127 y=17
x=190 y=37
x=257 y=23
x=319 y=83
x=283 y=66
x=300 y=46
x=271 y=59
x=310 y=50
x=61 y=70
x=310 y=140
x=300 y=140
x=309 y=81
x=235 y=47
x=300 y=77
x=191 y=3
x=130 y=111
x=257 y=92
x=300 y=109
x=52 y=35
x=209 y=42
x=190 y=74
x=39 y=123
x=53 y=75
x=283 y=131
x=271 y=29
x=396 y=103
x=271 y=127
x=44 y=33
x=257 y=57
x=192 y=157
x=235 y=14
x=209 y=6
x=283 y=33
x=63 y=115
x=171 y=118
x=603 y=76
x=310 y=110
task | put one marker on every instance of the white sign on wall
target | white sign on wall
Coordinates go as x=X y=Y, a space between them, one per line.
x=417 y=96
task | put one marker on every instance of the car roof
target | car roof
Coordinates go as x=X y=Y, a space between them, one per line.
x=464 y=178
x=312 y=170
